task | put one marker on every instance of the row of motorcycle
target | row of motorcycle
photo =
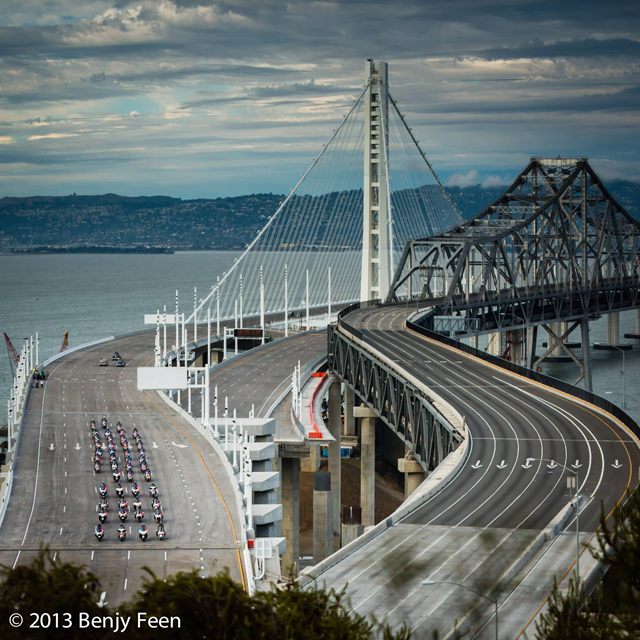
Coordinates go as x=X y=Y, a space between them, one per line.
x=123 y=506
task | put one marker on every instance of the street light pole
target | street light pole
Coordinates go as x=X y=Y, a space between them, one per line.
x=464 y=586
x=577 y=475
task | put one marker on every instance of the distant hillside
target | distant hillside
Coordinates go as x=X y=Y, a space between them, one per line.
x=111 y=220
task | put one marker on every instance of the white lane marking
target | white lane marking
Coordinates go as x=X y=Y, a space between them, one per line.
x=61 y=530
x=35 y=485
x=125 y=584
x=55 y=555
x=129 y=555
x=15 y=562
x=92 y=554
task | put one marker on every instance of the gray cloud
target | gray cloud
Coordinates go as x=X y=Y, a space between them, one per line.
x=228 y=82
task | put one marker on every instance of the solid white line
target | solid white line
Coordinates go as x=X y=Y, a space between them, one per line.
x=35 y=486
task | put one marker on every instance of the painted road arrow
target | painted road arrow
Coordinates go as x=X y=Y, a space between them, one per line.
x=502 y=465
x=182 y=446
x=577 y=465
x=617 y=465
x=154 y=445
x=77 y=447
x=477 y=465
x=101 y=602
x=51 y=447
x=528 y=465
x=553 y=465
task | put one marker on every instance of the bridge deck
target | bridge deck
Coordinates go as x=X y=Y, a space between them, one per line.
x=63 y=511
x=484 y=518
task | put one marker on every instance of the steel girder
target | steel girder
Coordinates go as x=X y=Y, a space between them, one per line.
x=402 y=406
x=554 y=246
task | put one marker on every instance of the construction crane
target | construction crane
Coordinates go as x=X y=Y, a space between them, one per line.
x=14 y=358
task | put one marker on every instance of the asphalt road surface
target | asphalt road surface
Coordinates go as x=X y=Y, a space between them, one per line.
x=54 y=497
x=505 y=493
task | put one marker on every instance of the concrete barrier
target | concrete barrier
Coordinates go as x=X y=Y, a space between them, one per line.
x=46 y=363
x=548 y=533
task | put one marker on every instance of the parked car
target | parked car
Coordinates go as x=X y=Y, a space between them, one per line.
x=103 y=362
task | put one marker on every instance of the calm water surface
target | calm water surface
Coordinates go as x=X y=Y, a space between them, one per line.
x=100 y=295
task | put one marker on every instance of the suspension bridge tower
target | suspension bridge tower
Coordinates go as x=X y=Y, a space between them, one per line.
x=377 y=245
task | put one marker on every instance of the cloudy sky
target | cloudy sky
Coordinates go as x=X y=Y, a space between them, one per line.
x=207 y=98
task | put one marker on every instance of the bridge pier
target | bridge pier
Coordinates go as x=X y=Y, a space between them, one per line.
x=290 y=478
x=586 y=357
x=495 y=344
x=414 y=474
x=613 y=336
x=334 y=450
x=635 y=335
x=367 y=464
x=322 y=517
x=349 y=418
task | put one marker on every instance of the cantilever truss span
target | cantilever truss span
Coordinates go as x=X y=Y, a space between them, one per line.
x=555 y=246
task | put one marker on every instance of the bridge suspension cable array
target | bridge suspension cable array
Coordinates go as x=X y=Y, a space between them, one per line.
x=318 y=228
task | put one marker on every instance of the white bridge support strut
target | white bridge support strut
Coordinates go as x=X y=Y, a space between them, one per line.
x=376 y=239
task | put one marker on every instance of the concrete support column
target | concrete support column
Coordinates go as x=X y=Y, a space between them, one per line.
x=532 y=339
x=414 y=475
x=495 y=344
x=613 y=328
x=322 y=517
x=290 y=479
x=351 y=525
x=635 y=335
x=613 y=335
x=335 y=428
x=367 y=464
x=349 y=418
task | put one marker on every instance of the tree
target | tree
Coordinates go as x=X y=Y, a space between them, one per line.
x=46 y=585
x=214 y=607
x=613 y=611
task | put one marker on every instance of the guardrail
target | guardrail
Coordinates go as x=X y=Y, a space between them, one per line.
x=550 y=381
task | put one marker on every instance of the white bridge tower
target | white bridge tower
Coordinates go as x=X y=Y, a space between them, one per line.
x=377 y=245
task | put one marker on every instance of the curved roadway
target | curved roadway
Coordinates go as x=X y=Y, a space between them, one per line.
x=499 y=500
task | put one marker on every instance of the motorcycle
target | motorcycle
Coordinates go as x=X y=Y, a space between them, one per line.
x=153 y=490
x=147 y=475
x=158 y=516
x=117 y=475
x=122 y=504
x=114 y=465
x=135 y=489
x=122 y=515
x=122 y=534
x=96 y=466
x=129 y=475
x=103 y=506
x=102 y=516
x=99 y=532
x=139 y=515
x=156 y=504
x=161 y=532
x=120 y=490
x=143 y=532
x=102 y=489
x=104 y=422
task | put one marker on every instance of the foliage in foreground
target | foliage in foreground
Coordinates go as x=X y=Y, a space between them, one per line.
x=214 y=608
x=613 y=611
